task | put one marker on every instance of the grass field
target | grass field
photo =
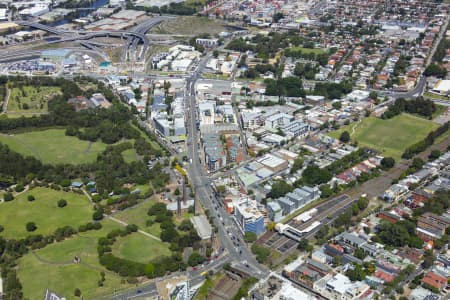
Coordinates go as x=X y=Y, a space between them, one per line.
x=43 y=211
x=435 y=96
x=32 y=99
x=308 y=50
x=129 y=155
x=138 y=215
x=140 y=248
x=57 y=272
x=392 y=136
x=53 y=146
x=189 y=25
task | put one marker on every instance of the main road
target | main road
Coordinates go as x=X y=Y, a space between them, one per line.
x=228 y=234
x=232 y=247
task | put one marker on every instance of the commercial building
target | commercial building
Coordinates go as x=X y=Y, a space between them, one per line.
x=357 y=242
x=209 y=43
x=304 y=195
x=431 y=226
x=207 y=112
x=287 y=205
x=3 y=14
x=442 y=87
x=162 y=124
x=202 y=226
x=340 y=287
x=249 y=217
x=274 y=211
x=273 y=163
x=35 y=11
x=55 y=54
x=277 y=119
x=296 y=129
x=215 y=155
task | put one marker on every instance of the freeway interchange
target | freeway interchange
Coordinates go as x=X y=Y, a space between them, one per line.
x=133 y=37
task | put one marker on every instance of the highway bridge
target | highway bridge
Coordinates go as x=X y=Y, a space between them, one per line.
x=134 y=36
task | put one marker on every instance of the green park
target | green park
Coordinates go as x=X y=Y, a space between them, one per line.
x=43 y=210
x=52 y=146
x=392 y=136
x=31 y=99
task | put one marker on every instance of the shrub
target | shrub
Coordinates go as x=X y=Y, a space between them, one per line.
x=31 y=226
x=62 y=203
x=8 y=197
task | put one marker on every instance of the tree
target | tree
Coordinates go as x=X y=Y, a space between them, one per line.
x=97 y=215
x=250 y=237
x=8 y=197
x=31 y=198
x=19 y=188
x=298 y=164
x=195 y=259
x=185 y=225
x=362 y=203
x=77 y=292
x=261 y=252
x=344 y=137
x=325 y=191
x=337 y=105
x=434 y=154
x=279 y=189
x=31 y=226
x=277 y=17
x=149 y=270
x=337 y=260
x=428 y=259
x=157 y=209
x=435 y=70
x=221 y=189
x=313 y=175
x=356 y=274
x=387 y=163
x=62 y=203
x=303 y=245
x=215 y=53
x=169 y=234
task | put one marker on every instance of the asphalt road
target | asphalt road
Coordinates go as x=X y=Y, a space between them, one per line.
x=150 y=290
x=228 y=233
x=233 y=249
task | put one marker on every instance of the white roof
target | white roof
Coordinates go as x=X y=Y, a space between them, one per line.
x=271 y=161
x=340 y=283
x=289 y=292
x=202 y=226
x=2 y=13
x=442 y=85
